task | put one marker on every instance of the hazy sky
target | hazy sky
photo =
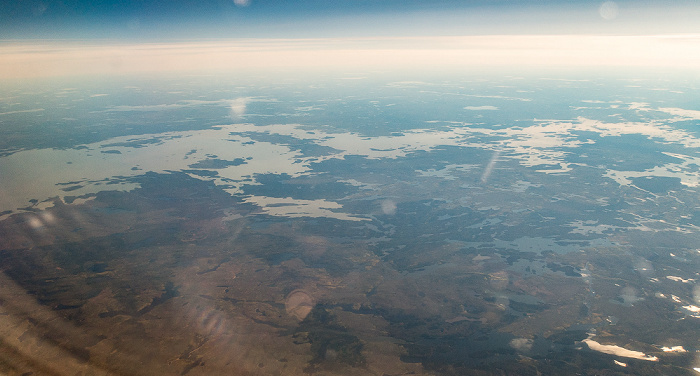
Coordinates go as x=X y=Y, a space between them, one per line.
x=158 y=20
x=40 y=38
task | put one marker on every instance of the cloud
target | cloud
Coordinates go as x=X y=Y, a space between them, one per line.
x=241 y=3
x=521 y=344
x=388 y=207
x=42 y=59
x=629 y=295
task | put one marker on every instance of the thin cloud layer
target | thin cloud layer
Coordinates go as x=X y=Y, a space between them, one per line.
x=24 y=59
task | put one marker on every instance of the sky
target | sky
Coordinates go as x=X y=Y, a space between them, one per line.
x=41 y=38
x=159 y=20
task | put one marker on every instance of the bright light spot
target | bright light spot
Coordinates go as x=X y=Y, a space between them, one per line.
x=521 y=344
x=48 y=217
x=211 y=322
x=620 y=363
x=388 y=207
x=242 y=3
x=629 y=295
x=644 y=267
x=238 y=107
x=35 y=223
x=608 y=10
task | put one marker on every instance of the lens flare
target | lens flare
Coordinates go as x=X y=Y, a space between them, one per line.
x=608 y=10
